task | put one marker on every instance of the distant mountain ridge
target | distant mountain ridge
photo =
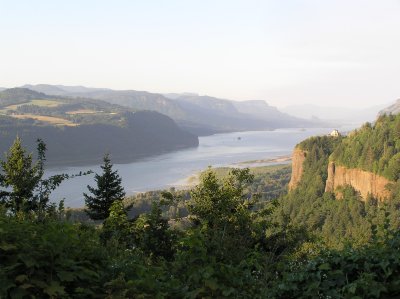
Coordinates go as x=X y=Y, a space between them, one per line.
x=60 y=90
x=199 y=114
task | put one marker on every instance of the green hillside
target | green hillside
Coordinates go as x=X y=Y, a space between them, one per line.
x=80 y=130
x=373 y=147
x=351 y=219
x=22 y=103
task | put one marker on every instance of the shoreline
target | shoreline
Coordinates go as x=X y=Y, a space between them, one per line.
x=193 y=179
x=279 y=159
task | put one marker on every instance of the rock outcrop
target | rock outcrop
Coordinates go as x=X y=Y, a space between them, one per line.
x=298 y=158
x=362 y=181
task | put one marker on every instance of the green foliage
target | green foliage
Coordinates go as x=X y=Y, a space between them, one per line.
x=25 y=190
x=50 y=259
x=108 y=190
x=21 y=176
x=152 y=234
x=371 y=271
x=203 y=275
x=374 y=148
x=117 y=227
x=223 y=210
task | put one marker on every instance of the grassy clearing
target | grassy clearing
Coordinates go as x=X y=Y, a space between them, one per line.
x=44 y=103
x=40 y=103
x=223 y=171
x=57 y=121
x=83 y=111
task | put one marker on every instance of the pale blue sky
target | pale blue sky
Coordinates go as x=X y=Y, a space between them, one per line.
x=341 y=52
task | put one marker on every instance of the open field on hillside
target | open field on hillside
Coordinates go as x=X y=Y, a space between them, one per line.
x=44 y=103
x=40 y=103
x=47 y=119
x=83 y=111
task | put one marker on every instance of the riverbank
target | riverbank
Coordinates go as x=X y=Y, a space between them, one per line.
x=261 y=164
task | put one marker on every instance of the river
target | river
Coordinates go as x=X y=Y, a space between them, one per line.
x=168 y=170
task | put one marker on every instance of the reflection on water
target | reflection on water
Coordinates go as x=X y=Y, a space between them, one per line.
x=167 y=170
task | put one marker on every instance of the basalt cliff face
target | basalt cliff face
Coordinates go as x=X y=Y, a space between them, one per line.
x=363 y=181
x=298 y=158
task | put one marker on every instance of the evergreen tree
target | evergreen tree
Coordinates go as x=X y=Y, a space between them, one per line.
x=20 y=176
x=22 y=187
x=108 y=190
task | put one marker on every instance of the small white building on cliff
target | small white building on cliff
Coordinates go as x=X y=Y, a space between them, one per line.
x=334 y=133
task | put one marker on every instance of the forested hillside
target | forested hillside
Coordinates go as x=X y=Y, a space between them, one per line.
x=80 y=131
x=373 y=147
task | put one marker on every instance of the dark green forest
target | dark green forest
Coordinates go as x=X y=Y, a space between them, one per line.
x=374 y=147
x=238 y=234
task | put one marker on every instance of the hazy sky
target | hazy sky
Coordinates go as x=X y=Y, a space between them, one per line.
x=338 y=52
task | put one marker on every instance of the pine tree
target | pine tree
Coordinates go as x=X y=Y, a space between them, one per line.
x=108 y=190
x=20 y=176
x=22 y=187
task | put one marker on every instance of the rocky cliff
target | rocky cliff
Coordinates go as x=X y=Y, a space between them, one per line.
x=298 y=158
x=363 y=181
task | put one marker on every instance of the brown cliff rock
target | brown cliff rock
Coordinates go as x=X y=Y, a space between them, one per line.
x=362 y=181
x=298 y=158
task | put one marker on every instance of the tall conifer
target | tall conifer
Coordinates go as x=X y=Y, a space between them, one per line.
x=108 y=190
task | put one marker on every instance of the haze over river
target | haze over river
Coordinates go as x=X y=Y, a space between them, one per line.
x=168 y=170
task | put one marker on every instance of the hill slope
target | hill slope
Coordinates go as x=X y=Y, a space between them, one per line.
x=80 y=131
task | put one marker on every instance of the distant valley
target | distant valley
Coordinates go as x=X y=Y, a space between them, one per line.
x=201 y=115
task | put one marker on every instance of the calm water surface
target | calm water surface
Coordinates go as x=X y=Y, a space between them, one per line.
x=164 y=171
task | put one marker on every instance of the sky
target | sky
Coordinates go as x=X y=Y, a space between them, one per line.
x=286 y=52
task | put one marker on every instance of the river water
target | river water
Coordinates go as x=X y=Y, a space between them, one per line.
x=168 y=170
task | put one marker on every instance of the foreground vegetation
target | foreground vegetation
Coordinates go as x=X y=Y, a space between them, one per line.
x=231 y=242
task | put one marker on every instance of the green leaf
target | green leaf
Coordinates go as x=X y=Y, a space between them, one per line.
x=18 y=293
x=54 y=289
x=39 y=283
x=324 y=266
x=211 y=284
x=26 y=286
x=21 y=278
x=66 y=276
x=7 y=247
x=228 y=292
x=28 y=261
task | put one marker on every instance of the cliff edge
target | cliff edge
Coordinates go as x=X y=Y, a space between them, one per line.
x=298 y=158
x=362 y=181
